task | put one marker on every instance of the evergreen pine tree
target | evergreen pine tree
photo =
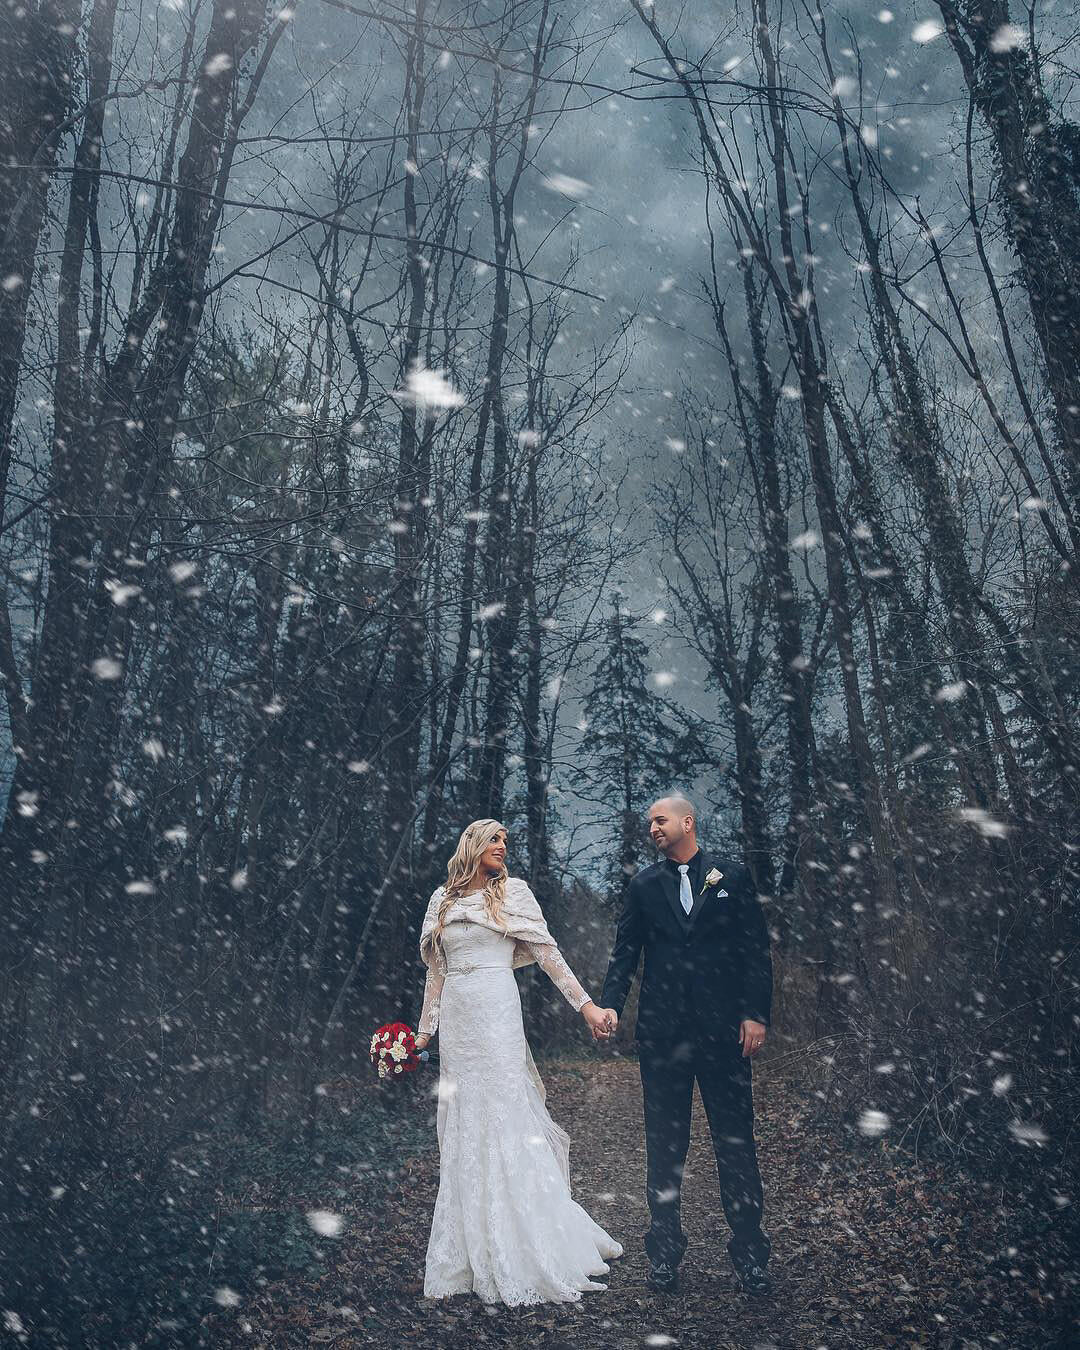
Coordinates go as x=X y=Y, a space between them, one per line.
x=641 y=746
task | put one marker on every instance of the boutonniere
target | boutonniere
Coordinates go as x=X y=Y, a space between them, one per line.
x=713 y=878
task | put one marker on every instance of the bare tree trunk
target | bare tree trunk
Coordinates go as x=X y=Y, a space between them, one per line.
x=813 y=407
x=759 y=430
x=76 y=708
x=921 y=452
x=757 y=841
x=403 y=732
x=537 y=765
x=48 y=740
x=491 y=413
x=36 y=67
x=909 y=623
x=1035 y=153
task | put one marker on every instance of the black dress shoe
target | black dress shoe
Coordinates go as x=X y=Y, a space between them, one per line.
x=754 y=1279
x=662 y=1277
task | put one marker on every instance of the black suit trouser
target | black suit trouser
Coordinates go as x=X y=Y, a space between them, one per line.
x=724 y=1077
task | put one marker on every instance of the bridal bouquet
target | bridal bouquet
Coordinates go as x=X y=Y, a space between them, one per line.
x=393 y=1050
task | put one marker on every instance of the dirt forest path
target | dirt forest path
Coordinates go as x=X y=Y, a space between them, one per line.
x=870 y=1248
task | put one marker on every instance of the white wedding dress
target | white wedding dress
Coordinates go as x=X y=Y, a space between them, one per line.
x=505 y=1225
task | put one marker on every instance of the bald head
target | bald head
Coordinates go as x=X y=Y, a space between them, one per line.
x=679 y=805
x=673 y=827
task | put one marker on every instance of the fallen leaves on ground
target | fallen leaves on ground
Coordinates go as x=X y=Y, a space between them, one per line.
x=870 y=1248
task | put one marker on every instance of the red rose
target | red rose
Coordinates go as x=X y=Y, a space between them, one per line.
x=393 y=1050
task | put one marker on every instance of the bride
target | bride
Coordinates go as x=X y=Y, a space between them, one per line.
x=505 y=1224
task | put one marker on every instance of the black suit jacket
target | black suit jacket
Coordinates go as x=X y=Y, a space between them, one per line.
x=703 y=973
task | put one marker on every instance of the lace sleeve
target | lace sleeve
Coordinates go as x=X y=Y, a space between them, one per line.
x=551 y=962
x=429 y=1017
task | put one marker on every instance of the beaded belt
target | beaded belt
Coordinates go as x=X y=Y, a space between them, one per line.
x=468 y=970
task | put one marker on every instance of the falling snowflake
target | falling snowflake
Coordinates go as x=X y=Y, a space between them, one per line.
x=325 y=1222
x=120 y=593
x=873 y=1123
x=218 y=65
x=27 y=804
x=429 y=389
x=569 y=187
x=106 y=668
x=226 y=1297
x=927 y=31
x=1007 y=38
x=983 y=821
x=1028 y=1132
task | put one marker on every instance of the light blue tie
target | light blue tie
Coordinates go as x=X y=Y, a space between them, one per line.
x=685 y=893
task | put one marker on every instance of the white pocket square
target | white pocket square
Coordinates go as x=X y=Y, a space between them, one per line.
x=721 y=892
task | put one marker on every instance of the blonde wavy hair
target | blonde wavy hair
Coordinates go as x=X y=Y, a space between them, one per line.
x=461 y=872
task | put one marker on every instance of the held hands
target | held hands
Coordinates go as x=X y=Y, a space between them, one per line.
x=603 y=1022
x=751 y=1036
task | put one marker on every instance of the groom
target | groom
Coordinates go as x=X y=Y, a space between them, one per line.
x=704 y=1006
